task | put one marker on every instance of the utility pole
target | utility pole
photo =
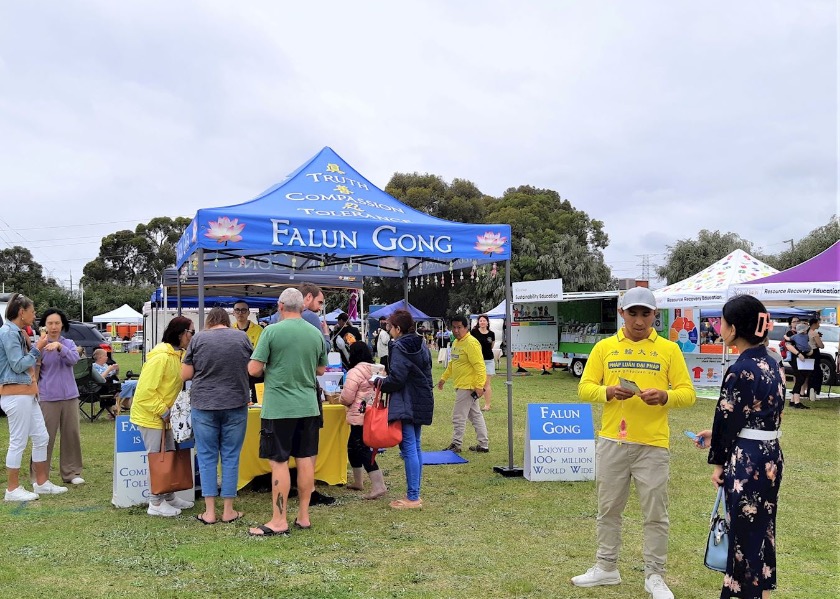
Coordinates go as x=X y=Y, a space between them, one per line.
x=790 y=241
x=645 y=266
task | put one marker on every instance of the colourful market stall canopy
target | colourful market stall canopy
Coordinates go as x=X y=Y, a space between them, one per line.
x=814 y=283
x=711 y=286
x=324 y=215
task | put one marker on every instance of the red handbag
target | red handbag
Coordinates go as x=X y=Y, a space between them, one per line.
x=377 y=432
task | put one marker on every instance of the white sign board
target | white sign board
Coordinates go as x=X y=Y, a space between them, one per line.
x=131 y=470
x=705 y=370
x=534 y=327
x=559 y=442
x=547 y=290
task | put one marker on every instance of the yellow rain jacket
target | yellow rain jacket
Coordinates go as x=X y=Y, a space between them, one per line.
x=158 y=386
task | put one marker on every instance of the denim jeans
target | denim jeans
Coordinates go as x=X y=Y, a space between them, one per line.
x=413 y=458
x=219 y=434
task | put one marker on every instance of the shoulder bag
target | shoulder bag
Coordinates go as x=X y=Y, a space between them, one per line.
x=717 y=545
x=180 y=417
x=377 y=432
x=170 y=471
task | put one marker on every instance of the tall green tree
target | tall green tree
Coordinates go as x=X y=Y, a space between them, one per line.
x=19 y=271
x=136 y=258
x=814 y=243
x=687 y=257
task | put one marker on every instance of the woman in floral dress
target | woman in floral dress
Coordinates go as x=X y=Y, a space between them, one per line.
x=745 y=451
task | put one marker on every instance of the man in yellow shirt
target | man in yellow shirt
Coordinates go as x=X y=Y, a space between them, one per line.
x=466 y=364
x=639 y=376
x=241 y=311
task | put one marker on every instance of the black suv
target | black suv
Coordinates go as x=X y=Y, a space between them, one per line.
x=86 y=336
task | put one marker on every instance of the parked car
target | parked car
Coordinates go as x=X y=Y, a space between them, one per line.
x=88 y=337
x=828 y=355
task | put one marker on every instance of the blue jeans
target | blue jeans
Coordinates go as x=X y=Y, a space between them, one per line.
x=413 y=458
x=219 y=433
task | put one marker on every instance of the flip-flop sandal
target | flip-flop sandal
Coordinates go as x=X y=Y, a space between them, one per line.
x=268 y=532
x=402 y=504
x=232 y=520
x=301 y=526
x=203 y=521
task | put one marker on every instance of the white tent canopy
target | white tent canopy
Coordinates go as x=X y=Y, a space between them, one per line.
x=710 y=287
x=124 y=313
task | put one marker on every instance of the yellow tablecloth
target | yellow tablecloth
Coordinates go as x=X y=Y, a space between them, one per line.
x=331 y=465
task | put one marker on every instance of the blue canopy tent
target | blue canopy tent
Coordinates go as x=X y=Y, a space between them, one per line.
x=326 y=218
x=416 y=313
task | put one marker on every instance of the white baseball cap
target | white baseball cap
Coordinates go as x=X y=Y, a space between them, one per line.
x=638 y=296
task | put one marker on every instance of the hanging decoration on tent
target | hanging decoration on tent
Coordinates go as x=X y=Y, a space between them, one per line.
x=294 y=264
x=473 y=271
x=494 y=271
x=461 y=277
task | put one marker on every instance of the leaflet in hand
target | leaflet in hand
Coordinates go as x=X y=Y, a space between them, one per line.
x=376 y=377
x=629 y=385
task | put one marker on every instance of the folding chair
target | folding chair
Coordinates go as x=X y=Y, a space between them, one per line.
x=90 y=384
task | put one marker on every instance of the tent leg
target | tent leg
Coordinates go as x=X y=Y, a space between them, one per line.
x=510 y=470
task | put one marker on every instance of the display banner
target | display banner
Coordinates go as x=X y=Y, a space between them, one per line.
x=131 y=470
x=534 y=327
x=546 y=290
x=559 y=442
x=705 y=370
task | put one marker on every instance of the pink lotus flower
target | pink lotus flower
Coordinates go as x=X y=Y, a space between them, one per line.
x=490 y=243
x=225 y=229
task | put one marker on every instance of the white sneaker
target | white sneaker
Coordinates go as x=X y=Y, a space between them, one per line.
x=812 y=395
x=657 y=587
x=20 y=494
x=164 y=509
x=78 y=480
x=180 y=504
x=48 y=488
x=596 y=577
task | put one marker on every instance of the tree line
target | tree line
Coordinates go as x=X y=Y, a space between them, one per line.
x=550 y=239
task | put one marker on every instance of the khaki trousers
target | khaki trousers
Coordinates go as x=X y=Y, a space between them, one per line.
x=467 y=408
x=62 y=417
x=616 y=464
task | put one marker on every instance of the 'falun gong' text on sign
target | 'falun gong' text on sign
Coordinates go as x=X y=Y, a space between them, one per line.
x=559 y=442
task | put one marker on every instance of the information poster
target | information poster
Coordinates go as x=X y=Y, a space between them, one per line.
x=705 y=370
x=559 y=442
x=684 y=329
x=131 y=468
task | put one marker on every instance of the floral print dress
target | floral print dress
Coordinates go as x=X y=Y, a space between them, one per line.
x=751 y=396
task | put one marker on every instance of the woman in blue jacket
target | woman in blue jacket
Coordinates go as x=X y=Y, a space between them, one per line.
x=412 y=402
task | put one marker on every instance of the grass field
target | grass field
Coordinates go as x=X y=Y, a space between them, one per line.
x=478 y=535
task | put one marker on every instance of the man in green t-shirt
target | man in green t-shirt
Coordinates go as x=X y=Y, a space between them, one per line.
x=290 y=354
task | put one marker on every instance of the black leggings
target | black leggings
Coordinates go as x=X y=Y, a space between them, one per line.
x=358 y=453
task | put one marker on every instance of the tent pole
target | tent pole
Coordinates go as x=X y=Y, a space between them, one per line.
x=405 y=282
x=178 y=287
x=200 y=289
x=362 y=313
x=510 y=470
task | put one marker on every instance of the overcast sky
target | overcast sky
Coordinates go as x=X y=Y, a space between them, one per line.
x=659 y=118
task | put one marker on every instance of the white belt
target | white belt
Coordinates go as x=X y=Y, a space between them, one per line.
x=757 y=435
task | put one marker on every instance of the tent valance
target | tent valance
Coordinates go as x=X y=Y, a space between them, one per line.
x=386 y=311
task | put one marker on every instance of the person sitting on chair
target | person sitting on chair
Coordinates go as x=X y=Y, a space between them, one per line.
x=109 y=373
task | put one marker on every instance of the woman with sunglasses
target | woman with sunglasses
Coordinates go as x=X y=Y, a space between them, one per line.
x=157 y=389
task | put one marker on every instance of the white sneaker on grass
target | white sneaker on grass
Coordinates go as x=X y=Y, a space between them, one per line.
x=162 y=509
x=596 y=577
x=657 y=587
x=20 y=494
x=180 y=504
x=48 y=488
x=77 y=480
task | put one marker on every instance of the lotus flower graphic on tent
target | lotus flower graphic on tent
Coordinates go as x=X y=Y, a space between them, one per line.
x=225 y=229
x=490 y=243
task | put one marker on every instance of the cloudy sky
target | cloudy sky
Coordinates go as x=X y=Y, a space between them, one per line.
x=658 y=118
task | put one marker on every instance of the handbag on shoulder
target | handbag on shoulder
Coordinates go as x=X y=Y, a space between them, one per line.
x=170 y=471
x=717 y=545
x=180 y=417
x=377 y=432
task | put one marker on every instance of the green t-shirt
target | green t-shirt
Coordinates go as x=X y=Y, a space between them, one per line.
x=292 y=350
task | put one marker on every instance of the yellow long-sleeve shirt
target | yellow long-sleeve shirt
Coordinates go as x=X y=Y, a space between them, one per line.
x=466 y=364
x=158 y=386
x=654 y=362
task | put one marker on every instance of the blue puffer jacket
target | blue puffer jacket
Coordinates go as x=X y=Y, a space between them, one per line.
x=409 y=381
